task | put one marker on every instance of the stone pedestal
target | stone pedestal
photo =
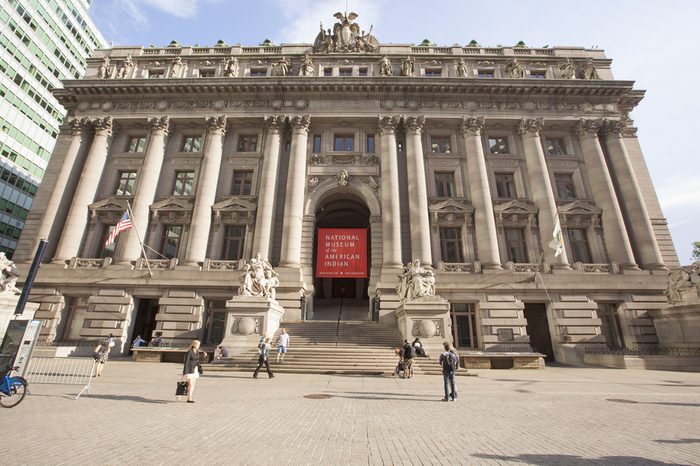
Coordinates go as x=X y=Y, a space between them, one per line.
x=427 y=318
x=249 y=317
x=677 y=326
x=8 y=303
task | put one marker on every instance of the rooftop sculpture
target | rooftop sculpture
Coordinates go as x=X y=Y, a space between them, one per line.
x=345 y=37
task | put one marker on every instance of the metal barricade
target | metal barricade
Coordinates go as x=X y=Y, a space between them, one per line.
x=63 y=371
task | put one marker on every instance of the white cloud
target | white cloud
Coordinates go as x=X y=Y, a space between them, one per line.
x=679 y=192
x=304 y=16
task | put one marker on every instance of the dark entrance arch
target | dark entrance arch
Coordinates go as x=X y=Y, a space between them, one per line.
x=341 y=211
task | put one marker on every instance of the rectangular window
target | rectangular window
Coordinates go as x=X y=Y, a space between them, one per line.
x=610 y=325
x=242 y=182
x=538 y=74
x=486 y=74
x=234 y=240
x=192 y=144
x=184 y=181
x=170 y=243
x=445 y=184
x=370 y=143
x=127 y=182
x=451 y=245
x=248 y=143
x=108 y=251
x=362 y=71
x=206 y=73
x=498 y=145
x=432 y=72
x=515 y=245
x=464 y=330
x=327 y=71
x=440 y=145
x=564 y=183
x=345 y=72
x=136 y=144
x=554 y=146
x=343 y=142
x=317 y=143
x=578 y=240
x=156 y=74
x=258 y=72
x=505 y=185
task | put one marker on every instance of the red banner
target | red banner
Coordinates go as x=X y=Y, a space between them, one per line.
x=341 y=253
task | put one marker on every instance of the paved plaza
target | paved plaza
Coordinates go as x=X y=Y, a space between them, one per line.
x=558 y=415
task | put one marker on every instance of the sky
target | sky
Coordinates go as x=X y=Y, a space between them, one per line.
x=650 y=42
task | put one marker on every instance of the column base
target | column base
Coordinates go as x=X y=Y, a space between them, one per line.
x=487 y=267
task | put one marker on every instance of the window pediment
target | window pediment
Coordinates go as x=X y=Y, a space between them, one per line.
x=579 y=214
x=108 y=210
x=235 y=210
x=515 y=213
x=451 y=211
x=174 y=209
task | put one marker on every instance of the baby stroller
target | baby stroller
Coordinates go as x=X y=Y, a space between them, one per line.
x=400 y=369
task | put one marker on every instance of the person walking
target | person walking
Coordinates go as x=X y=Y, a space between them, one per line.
x=448 y=361
x=263 y=353
x=190 y=371
x=102 y=354
x=282 y=345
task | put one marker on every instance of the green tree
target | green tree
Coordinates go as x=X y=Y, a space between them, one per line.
x=695 y=255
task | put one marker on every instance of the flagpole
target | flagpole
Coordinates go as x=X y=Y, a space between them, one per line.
x=143 y=250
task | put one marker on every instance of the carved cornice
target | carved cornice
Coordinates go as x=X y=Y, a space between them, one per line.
x=300 y=123
x=533 y=126
x=587 y=128
x=102 y=125
x=388 y=124
x=275 y=123
x=414 y=124
x=160 y=125
x=472 y=126
x=217 y=125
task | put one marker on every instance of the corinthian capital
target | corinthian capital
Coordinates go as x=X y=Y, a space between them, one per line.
x=160 y=125
x=388 y=124
x=275 y=123
x=472 y=126
x=588 y=128
x=614 y=127
x=102 y=125
x=300 y=122
x=73 y=126
x=531 y=125
x=414 y=124
x=217 y=125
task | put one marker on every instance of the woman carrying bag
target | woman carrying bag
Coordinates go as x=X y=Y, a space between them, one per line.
x=190 y=372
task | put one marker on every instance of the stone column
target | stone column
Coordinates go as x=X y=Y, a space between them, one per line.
x=77 y=218
x=541 y=187
x=391 y=215
x=484 y=221
x=145 y=189
x=290 y=255
x=615 y=236
x=631 y=197
x=205 y=194
x=268 y=184
x=72 y=128
x=417 y=191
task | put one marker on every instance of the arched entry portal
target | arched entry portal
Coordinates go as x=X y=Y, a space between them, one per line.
x=341 y=211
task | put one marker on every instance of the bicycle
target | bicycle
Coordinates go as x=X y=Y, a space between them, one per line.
x=12 y=389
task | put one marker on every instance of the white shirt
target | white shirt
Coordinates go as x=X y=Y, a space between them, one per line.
x=283 y=339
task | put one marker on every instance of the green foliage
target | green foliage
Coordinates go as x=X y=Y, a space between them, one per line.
x=521 y=44
x=695 y=255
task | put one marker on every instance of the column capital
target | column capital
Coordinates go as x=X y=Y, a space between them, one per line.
x=414 y=124
x=586 y=127
x=73 y=126
x=388 y=124
x=300 y=123
x=612 y=127
x=472 y=126
x=217 y=125
x=102 y=125
x=160 y=125
x=275 y=123
x=533 y=126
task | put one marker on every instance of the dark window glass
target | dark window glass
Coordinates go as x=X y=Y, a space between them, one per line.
x=538 y=74
x=565 y=186
x=317 y=143
x=184 y=181
x=192 y=144
x=440 y=145
x=451 y=245
x=433 y=72
x=344 y=143
x=554 y=146
x=363 y=71
x=515 y=245
x=370 y=143
x=328 y=72
x=170 y=243
x=258 y=72
x=485 y=74
x=498 y=145
x=136 y=144
x=578 y=240
x=234 y=240
x=505 y=185
x=248 y=143
x=127 y=182
x=242 y=182
x=345 y=72
x=445 y=184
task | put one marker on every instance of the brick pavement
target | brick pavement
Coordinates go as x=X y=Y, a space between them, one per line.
x=554 y=416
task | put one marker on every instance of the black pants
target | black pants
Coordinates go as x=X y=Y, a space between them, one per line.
x=263 y=360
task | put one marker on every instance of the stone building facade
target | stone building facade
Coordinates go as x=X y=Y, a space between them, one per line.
x=461 y=157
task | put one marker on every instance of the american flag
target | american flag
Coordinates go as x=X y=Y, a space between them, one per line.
x=123 y=224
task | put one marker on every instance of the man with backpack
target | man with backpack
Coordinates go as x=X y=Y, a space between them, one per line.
x=449 y=362
x=409 y=352
x=263 y=353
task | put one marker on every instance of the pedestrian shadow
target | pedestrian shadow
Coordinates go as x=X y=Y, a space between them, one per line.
x=573 y=460
x=670 y=403
x=682 y=440
x=382 y=396
x=138 y=399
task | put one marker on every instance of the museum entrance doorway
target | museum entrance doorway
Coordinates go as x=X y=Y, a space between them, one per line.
x=336 y=294
x=145 y=321
x=538 y=330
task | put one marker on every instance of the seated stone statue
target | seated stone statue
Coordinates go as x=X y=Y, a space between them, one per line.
x=415 y=282
x=259 y=279
x=8 y=280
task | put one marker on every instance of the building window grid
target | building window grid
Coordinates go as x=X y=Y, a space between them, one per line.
x=136 y=144
x=515 y=245
x=554 y=146
x=343 y=142
x=126 y=183
x=184 y=183
x=234 y=242
x=440 y=145
x=242 y=182
x=370 y=144
x=170 y=241
x=465 y=330
x=505 y=185
x=498 y=145
x=451 y=244
x=192 y=144
x=580 y=248
x=445 y=184
x=564 y=183
x=248 y=143
x=317 y=143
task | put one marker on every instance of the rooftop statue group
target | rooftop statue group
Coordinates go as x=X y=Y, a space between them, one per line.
x=8 y=281
x=415 y=282
x=259 y=279
x=345 y=37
